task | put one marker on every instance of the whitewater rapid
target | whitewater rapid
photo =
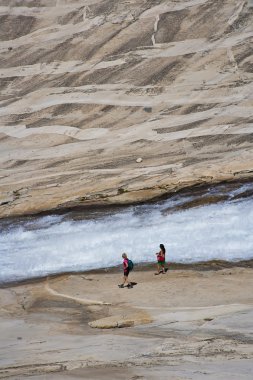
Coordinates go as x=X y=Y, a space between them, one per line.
x=59 y=243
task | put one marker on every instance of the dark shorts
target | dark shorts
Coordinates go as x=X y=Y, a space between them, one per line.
x=161 y=262
x=126 y=272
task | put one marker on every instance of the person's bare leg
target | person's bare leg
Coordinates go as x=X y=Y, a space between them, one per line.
x=129 y=284
x=158 y=269
x=125 y=280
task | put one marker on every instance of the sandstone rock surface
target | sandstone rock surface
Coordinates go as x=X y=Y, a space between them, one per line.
x=88 y=86
x=187 y=324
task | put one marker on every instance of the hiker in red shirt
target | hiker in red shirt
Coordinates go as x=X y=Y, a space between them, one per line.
x=161 y=260
x=126 y=268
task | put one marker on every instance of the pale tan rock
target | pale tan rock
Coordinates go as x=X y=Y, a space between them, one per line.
x=86 y=90
x=119 y=321
x=187 y=320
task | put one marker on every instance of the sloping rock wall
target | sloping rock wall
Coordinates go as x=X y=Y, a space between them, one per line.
x=87 y=87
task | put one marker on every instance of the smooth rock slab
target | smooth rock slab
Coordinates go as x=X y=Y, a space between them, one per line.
x=119 y=321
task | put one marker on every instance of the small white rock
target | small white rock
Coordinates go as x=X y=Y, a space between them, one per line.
x=139 y=160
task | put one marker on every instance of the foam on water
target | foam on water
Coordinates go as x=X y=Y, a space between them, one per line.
x=53 y=244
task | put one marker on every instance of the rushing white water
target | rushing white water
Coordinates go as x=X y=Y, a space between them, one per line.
x=55 y=244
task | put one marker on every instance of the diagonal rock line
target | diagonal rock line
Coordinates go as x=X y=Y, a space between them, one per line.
x=82 y=301
x=155 y=29
x=236 y=14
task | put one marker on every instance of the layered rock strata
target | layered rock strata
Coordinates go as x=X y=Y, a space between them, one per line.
x=89 y=87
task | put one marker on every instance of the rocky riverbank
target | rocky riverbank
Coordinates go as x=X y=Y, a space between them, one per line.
x=185 y=324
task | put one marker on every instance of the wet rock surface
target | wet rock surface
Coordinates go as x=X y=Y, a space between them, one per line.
x=88 y=89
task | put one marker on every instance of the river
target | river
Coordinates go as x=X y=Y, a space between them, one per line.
x=196 y=225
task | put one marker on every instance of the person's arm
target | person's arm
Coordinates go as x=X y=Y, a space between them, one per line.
x=159 y=254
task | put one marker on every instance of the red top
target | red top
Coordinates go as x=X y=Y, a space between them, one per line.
x=160 y=256
x=125 y=263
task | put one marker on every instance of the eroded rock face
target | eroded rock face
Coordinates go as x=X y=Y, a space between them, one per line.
x=88 y=89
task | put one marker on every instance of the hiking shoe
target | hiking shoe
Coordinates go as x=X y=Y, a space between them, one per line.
x=129 y=286
x=121 y=286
